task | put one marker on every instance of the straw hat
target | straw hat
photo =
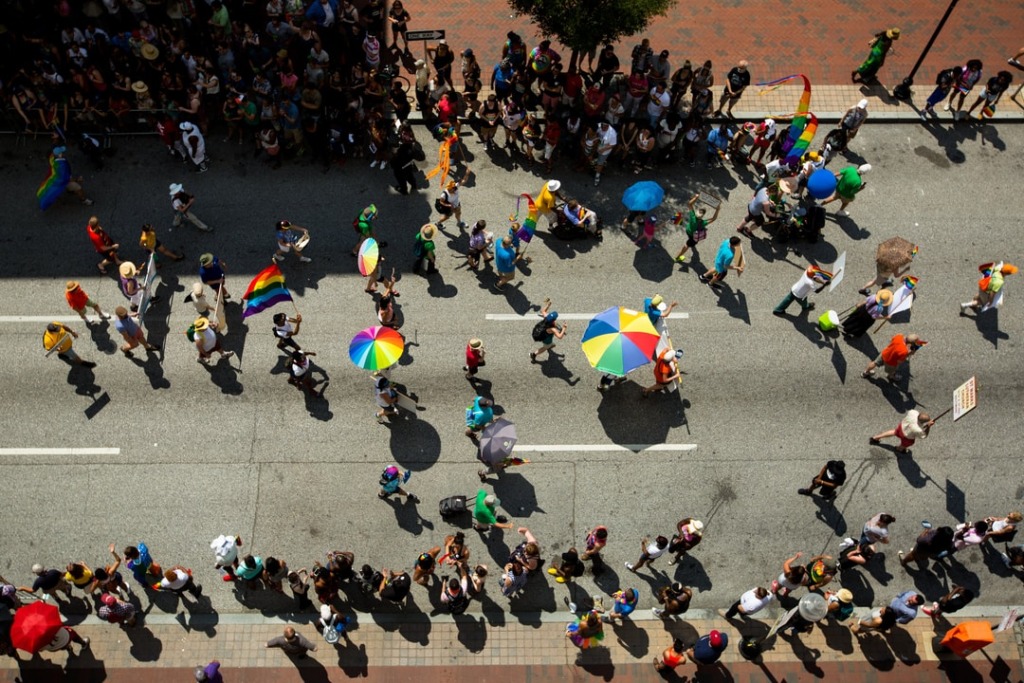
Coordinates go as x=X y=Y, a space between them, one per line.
x=175 y=188
x=206 y=259
x=893 y=33
x=475 y=343
x=201 y=324
x=884 y=297
x=71 y=286
x=127 y=269
x=140 y=87
x=427 y=231
x=149 y=51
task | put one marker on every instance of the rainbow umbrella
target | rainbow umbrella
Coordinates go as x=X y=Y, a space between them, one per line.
x=369 y=255
x=376 y=348
x=620 y=340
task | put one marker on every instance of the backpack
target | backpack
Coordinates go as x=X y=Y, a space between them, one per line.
x=458 y=604
x=540 y=330
x=191 y=333
x=418 y=250
x=451 y=506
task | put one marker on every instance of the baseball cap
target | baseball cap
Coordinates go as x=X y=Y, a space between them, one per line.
x=715 y=637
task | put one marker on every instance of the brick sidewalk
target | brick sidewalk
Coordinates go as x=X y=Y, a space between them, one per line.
x=395 y=647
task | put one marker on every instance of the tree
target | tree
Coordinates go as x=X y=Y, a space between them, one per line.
x=582 y=25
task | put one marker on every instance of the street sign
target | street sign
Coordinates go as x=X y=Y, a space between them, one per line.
x=424 y=35
x=965 y=398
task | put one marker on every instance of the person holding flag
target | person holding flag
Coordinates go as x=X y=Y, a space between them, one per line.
x=266 y=290
x=814 y=279
x=696 y=226
x=60 y=179
x=990 y=287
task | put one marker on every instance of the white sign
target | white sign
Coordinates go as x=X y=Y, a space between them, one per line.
x=965 y=398
x=1009 y=620
x=837 y=271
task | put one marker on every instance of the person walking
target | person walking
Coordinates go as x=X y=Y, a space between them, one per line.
x=287 y=240
x=78 y=300
x=505 y=257
x=648 y=552
x=751 y=602
x=391 y=481
x=363 y=225
x=849 y=182
x=666 y=372
x=151 y=245
x=898 y=351
x=876 y=530
x=423 y=250
x=829 y=479
x=813 y=279
x=480 y=242
x=673 y=656
x=675 y=598
x=484 y=517
x=207 y=341
x=914 y=425
x=195 y=146
x=708 y=649
x=696 y=226
x=736 y=81
x=386 y=397
x=225 y=552
x=212 y=272
x=178 y=579
x=478 y=415
x=294 y=644
x=131 y=332
x=934 y=543
x=285 y=329
x=624 y=603
x=990 y=285
x=821 y=569
x=862 y=316
x=48 y=581
x=547 y=331
x=103 y=243
x=689 y=534
x=475 y=353
x=729 y=252
x=182 y=203
x=57 y=338
x=450 y=202
x=953 y=601
x=881 y=45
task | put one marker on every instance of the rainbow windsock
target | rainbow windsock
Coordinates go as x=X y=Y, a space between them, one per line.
x=265 y=290
x=529 y=225
x=55 y=184
x=804 y=124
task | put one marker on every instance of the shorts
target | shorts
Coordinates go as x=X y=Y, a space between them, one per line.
x=691 y=242
x=624 y=610
x=733 y=98
x=74 y=187
x=389 y=410
x=602 y=158
x=756 y=220
x=89 y=303
x=284 y=247
x=508 y=274
x=135 y=339
x=904 y=441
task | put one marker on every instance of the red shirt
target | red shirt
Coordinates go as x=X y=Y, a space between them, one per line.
x=446 y=110
x=77 y=298
x=896 y=352
x=100 y=239
x=663 y=368
x=472 y=357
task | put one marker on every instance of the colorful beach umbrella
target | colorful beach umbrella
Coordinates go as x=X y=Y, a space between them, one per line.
x=643 y=196
x=35 y=626
x=369 y=255
x=376 y=348
x=620 y=340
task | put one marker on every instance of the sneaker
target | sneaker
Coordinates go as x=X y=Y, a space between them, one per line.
x=85 y=641
x=779 y=313
x=278 y=258
x=844 y=213
x=681 y=259
x=597 y=180
x=702 y=278
x=572 y=607
x=924 y=116
x=629 y=566
x=383 y=165
x=930 y=611
x=381 y=420
x=657 y=612
x=88 y=202
x=864 y=292
x=945 y=107
x=804 y=492
x=305 y=259
x=202 y=360
x=373 y=164
x=873 y=441
x=227 y=354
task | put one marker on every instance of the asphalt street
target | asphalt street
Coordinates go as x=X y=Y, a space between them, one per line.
x=195 y=452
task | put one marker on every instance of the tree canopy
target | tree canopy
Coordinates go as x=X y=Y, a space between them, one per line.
x=582 y=25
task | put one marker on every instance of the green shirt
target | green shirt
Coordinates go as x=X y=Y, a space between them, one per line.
x=482 y=512
x=693 y=224
x=848 y=184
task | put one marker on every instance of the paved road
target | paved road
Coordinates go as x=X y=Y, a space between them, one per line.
x=765 y=401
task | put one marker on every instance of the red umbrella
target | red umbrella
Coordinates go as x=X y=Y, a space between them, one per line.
x=35 y=626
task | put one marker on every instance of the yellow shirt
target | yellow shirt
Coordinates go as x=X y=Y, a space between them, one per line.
x=50 y=339
x=147 y=240
x=82 y=582
x=545 y=201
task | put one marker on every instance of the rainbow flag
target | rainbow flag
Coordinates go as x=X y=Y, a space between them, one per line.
x=54 y=185
x=529 y=225
x=910 y=281
x=804 y=124
x=265 y=290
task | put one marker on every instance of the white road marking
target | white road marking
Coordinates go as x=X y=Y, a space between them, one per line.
x=603 y=448
x=45 y=318
x=512 y=317
x=59 y=451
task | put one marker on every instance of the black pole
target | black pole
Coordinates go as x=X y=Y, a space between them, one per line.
x=902 y=91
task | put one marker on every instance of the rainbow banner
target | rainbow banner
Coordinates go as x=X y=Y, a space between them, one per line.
x=529 y=225
x=55 y=184
x=804 y=124
x=265 y=290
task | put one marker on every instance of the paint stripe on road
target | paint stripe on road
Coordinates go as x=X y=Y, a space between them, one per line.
x=512 y=317
x=602 y=448
x=59 y=451
x=45 y=318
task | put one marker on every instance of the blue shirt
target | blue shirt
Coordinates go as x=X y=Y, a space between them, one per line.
x=505 y=258
x=287 y=237
x=211 y=273
x=723 y=259
x=246 y=573
x=479 y=416
x=652 y=311
x=904 y=613
x=718 y=140
x=126 y=326
x=704 y=653
x=502 y=77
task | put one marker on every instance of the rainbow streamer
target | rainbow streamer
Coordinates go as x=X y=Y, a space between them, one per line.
x=823 y=274
x=444 y=158
x=529 y=225
x=677 y=218
x=265 y=290
x=55 y=184
x=804 y=124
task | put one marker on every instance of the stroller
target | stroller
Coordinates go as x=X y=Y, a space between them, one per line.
x=565 y=230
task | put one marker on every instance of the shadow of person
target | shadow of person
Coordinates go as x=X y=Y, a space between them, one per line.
x=734 y=301
x=99 y=332
x=691 y=573
x=153 y=369
x=837 y=635
x=958 y=574
x=145 y=647
x=471 y=632
x=225 y=376
x=513 y=294
x=828 y=513
x=408 y=516
x=310 y=670
x=517 y=494
x=415 y=626
x=947 y=138
x=596 y=661
x=911 y=471
x=903 y=645
x=415 y=444
x=634 y=639
x=653 y=263
x=807 y=656
x=875 y=650
x=83 y=379
x=438 y=289
x=988 y=325
x=353 y=660
x=199 y=616
x=552 y=365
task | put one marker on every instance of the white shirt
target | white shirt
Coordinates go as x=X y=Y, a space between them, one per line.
x=653 y=551
x=225 y=549
x=180 y=579
x=751 y=603
x=911 y=426
x=284 y=331
x=208 y=338
x=609 y=138
x=657 y=103
x=804 y=286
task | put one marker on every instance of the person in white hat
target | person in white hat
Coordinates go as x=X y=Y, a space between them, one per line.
x=853 y=119
x=195 y=145
x=848 y=184
x=666 y=372
x=182 y=202
x=547 y=198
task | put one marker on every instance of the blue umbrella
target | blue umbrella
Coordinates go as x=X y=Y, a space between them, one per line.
x=643 y=196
